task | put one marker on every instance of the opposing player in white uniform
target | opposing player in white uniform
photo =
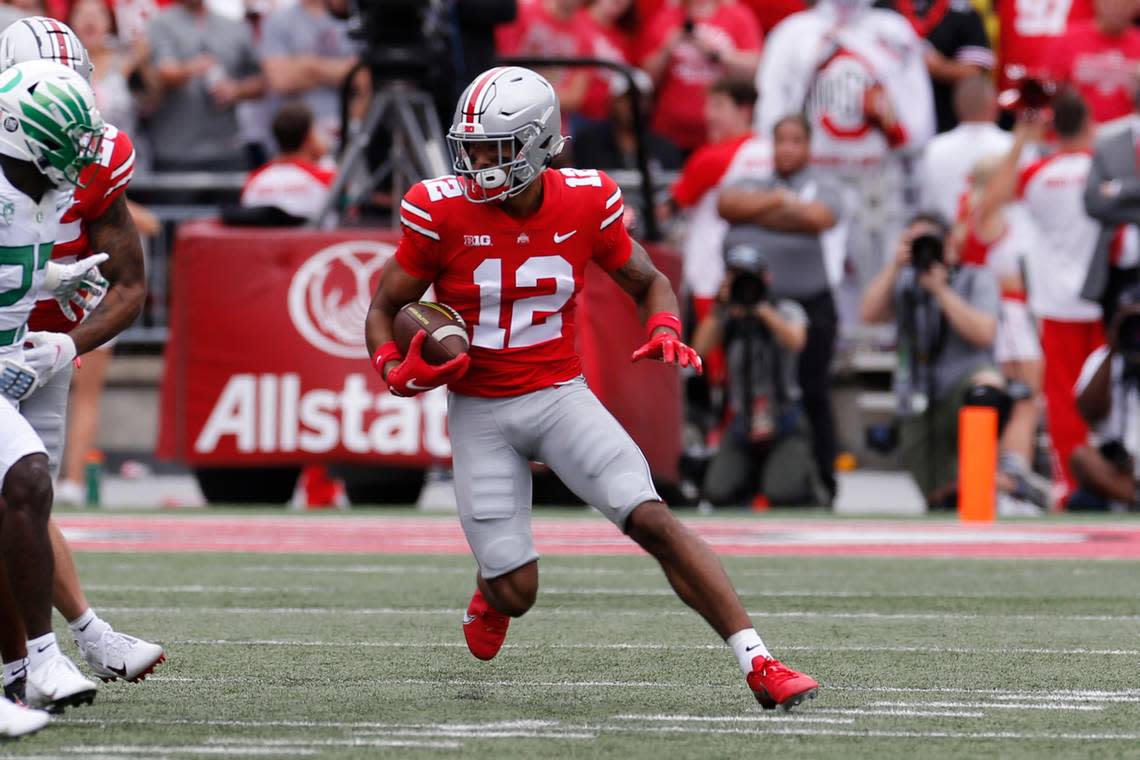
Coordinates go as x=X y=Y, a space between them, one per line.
x=519 y=395
x=50 y=132
x=98 y=220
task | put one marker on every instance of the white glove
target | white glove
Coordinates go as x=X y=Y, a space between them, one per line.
x=17 y=380
x=66 y=281
x=46 y=353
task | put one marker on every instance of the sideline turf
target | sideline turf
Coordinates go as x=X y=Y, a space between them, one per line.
x=945 y=632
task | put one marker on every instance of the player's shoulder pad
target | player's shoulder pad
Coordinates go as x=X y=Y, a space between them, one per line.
x=594 y=189
x=422 y=209
x=117 y=160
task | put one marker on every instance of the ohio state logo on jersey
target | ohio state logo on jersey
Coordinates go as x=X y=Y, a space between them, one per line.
x=836 y=100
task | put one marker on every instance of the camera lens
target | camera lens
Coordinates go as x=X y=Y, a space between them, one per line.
x=925 y=251
x=747 y=289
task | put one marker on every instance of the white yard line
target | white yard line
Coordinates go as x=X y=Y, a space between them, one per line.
x=661 y=647
x=159 y=750
x=362 y=742
x=596 y=613
x=200 y=589
x=1096 y=695
x=884 y=734
x=910 y=711
x=996 y=705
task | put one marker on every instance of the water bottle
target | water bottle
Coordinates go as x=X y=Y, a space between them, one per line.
x=93 y=475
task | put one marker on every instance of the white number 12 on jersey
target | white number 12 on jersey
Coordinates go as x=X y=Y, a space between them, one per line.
x=525 y=330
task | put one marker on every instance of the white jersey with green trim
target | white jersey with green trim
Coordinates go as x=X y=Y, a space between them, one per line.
x=27 y=232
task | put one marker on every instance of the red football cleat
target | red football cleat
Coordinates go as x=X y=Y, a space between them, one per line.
x=484 y=627
x=773 y=683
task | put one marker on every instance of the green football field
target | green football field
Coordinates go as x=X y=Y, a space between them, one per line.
x=361 y=656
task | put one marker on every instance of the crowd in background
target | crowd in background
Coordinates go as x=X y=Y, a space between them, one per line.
x=827 y=126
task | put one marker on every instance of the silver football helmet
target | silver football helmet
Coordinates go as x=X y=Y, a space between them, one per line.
x=40 y=38
x=514 y=113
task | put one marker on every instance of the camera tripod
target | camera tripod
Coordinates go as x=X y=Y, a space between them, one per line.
x=407 y=114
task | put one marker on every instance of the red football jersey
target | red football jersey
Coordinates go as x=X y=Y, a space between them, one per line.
x=1031 y=29
x=514 y=281
x=104 y=181
x=1101 y=67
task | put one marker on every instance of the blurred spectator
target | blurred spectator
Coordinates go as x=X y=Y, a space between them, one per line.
x=1108 y=395
x=1100 y=57
x=1112 y=197
x=296 y=181
x=732 y=150
x=689 y=46
x=785 y=215
x=1052 y=191
x=123 y=80
x=859 y=76
x=611 y=28
x=995 y=233
x=551 y=29
x=957 y=47
x=10 y=13
x=769 y=13
x=612 y=144
x=206 y=64
x=947 y=319
x=763 y=449
x=306 y=53
x=949 y=157
x=1029 y=32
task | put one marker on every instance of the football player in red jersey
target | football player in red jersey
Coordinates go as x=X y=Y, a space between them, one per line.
x=98 y=221
x=506 y=244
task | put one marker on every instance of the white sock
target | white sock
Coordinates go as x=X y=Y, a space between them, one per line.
x=88 y=627
x=15 y=670
x=42 y=649
x=747 y=645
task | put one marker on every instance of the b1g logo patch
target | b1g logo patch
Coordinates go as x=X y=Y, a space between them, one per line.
x=477 y=240
x=330 y=294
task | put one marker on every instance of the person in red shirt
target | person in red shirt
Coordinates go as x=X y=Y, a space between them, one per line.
x=1101 y=59
x=506 y=244
x=611 y=27
x=686 y=48
x=1030 y=31
x=552 y=29
x=296 y=181
x=769 y=13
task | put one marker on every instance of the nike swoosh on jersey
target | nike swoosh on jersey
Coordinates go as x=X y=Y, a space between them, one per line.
x=561 y=238
x=414 y=386
x=468 y=618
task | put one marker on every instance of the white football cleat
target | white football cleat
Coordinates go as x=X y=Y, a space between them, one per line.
x=116 y=655
x=56 y=684
x=17 y=720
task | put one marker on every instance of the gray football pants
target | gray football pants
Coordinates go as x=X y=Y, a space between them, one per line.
x=493 y=441
x=46 y=411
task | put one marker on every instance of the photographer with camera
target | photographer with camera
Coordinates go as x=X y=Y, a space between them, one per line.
x=947 y=318
x=764 y=448
x=1108 y=395
x=786 y=214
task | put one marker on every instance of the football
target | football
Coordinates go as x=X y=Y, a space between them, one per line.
x=446 y=330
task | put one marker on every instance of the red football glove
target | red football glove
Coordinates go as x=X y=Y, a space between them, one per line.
x=414 y=375
x=667 y=346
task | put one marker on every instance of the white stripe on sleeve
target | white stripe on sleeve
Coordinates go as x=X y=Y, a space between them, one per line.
x=413 y=209
x=613 y=217
x=125 y=166
x=613 y=198
x=422 y=230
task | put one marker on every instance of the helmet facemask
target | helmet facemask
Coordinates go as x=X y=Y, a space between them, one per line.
x=510 y=174
x=63 y=136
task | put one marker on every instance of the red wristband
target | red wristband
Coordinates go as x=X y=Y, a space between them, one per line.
x=384 y=354
x=664 y=319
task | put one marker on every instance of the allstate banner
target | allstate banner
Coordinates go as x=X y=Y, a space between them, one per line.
x=266 y=362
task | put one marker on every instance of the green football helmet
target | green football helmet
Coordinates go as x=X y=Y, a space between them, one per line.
x=48 y=117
